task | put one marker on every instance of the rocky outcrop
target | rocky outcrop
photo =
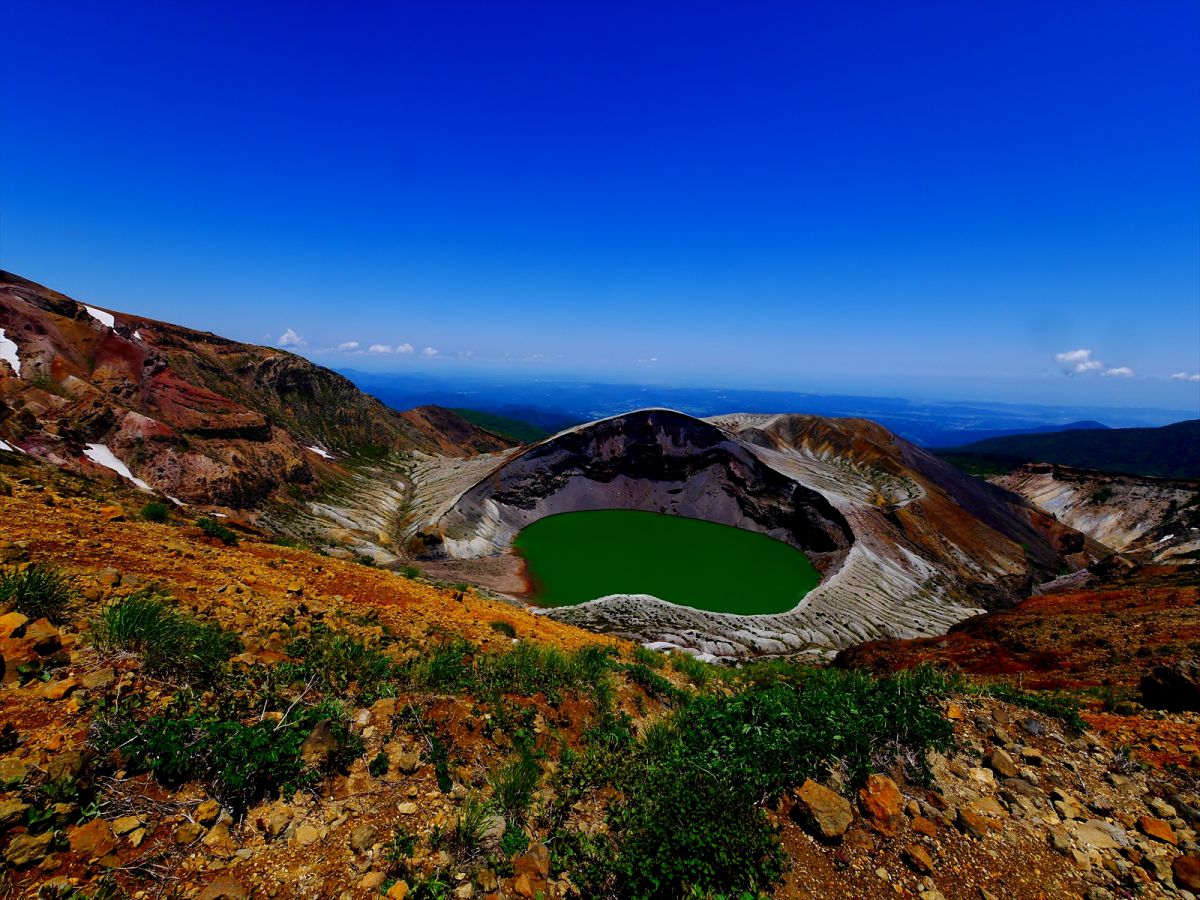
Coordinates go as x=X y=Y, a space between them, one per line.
x=1151 y=519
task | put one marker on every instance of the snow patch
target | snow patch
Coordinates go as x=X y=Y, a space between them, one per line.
x=5 y=445
x=8 y=352
x=104 y=318
x=324 y=454
x=137 y=335
x=176 y=500
x=101 y=455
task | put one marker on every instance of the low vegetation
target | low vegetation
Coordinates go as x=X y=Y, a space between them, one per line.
x=36 y=591
x=169 y=642
x=214 y=529
x=155 y=511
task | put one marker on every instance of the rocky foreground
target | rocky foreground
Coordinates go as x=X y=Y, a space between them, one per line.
x=411 y=711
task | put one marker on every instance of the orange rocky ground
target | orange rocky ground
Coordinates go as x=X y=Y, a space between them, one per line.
x=1020 y=809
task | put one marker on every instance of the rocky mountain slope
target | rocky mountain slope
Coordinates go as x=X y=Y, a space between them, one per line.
x=341 y=731
x=907 y=544
x=1157 y=519
x=191 y=415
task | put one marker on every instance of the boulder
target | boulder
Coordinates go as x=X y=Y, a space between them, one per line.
x=824 y=812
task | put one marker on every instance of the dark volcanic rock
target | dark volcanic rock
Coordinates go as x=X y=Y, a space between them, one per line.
x=1174 y=687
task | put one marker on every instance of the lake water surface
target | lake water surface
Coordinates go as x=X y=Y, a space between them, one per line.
x=574 y=557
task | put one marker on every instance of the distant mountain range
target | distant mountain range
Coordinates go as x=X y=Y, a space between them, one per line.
x=554 y=405
x=1172 y=451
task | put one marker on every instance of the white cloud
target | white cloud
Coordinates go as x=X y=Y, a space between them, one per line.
x=1184 y=376
x=404 y=348
x=348 y=346
x=1078 y=361
x=429 y=351
x=1073 y=356
x=380 y=348
x=1119 y=372
x=290 y=339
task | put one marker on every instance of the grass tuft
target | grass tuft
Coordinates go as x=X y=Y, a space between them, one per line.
x=38 y=592
x=170 y=642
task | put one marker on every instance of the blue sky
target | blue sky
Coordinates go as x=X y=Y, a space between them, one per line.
x=925 y=199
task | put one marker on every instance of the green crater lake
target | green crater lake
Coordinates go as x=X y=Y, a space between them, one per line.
x=575 y=557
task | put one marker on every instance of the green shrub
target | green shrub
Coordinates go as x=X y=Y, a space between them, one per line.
x=214 y=529
x=39 y=592
x=409 y=571
x=653 y=683
x=170 y=642
x=156 y=511
x=514 y=841
x=378 y=766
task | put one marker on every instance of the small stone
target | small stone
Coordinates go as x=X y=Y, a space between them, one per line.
x=1157 y=829
x=824 y=812
x=397 y=891
x=1002 y=764
x=187 y=833
x=207 y=813
x=881 y=803
x=13 y=624
x=363 y=837
x=319 y=746
x=1186 y=870
x=224 y=888
x=11 y=812
x=125 y=825
x=407 y=809
x=922 y=825
x=954 y=712
x=535 y=862
x=408 y=763
x=26 y=849
x=918 y=859
x=101 y=678
x=93 y=839
x=372 y=881
x=971 y=823
x=306 y=835
x=981 y=776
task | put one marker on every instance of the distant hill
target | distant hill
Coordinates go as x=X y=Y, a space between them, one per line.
x=515 y=429
x=1172 y=451
x=948 y=437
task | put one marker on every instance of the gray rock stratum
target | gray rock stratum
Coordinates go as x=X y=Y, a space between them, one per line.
x=907 y=545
